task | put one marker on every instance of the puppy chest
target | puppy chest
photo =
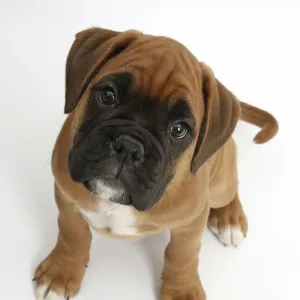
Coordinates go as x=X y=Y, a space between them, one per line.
x=113 y=218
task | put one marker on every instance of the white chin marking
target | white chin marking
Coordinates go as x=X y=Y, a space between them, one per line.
x=105 y=191
x=41 y=290
x=228 y=235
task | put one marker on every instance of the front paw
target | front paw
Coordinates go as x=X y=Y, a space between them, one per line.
x=57 y=278
x=229 y=223
x=193 y=292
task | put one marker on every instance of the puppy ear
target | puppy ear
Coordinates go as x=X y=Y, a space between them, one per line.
x=91 y=49
x=221 y=113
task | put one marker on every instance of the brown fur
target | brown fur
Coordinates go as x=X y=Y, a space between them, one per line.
x=204 y=187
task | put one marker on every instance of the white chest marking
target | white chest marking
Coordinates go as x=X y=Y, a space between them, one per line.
x=119 y=218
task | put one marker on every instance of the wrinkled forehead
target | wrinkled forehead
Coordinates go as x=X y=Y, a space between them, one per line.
x=161 y=68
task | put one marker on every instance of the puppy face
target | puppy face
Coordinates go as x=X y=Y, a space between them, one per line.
x=142 y=107
x=129 y=142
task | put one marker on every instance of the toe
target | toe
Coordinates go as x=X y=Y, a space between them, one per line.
x=225 y=235
x=46 y=292
x=213 y=222
x=41 y=291
x=237 y=235
x=42 y=269
x=214 y=230
x=54 y=296
x=244 y=224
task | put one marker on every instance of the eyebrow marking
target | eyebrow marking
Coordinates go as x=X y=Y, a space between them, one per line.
x=181 y=106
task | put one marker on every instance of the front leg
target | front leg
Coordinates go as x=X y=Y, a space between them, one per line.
x=59 y=276
x=180 y=275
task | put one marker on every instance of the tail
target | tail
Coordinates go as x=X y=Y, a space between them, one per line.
x=259 y=118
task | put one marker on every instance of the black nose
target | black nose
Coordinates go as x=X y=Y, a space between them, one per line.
x=126 y=144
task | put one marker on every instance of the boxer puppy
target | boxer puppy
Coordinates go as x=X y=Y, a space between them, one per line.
x=146 y=147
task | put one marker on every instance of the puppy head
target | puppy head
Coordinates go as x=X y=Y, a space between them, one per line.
x=143 y=108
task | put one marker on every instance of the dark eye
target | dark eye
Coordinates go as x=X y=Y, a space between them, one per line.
x=107 y=96
x=178 y=130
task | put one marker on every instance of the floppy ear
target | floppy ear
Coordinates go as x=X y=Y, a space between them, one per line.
x=91 y=49
x=221 y=113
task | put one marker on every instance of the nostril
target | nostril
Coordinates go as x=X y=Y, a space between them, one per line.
x=118 y=146
x=137 y=156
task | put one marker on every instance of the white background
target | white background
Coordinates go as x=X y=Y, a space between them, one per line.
x=253 y=47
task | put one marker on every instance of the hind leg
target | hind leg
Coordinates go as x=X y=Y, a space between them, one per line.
x=229 y=223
